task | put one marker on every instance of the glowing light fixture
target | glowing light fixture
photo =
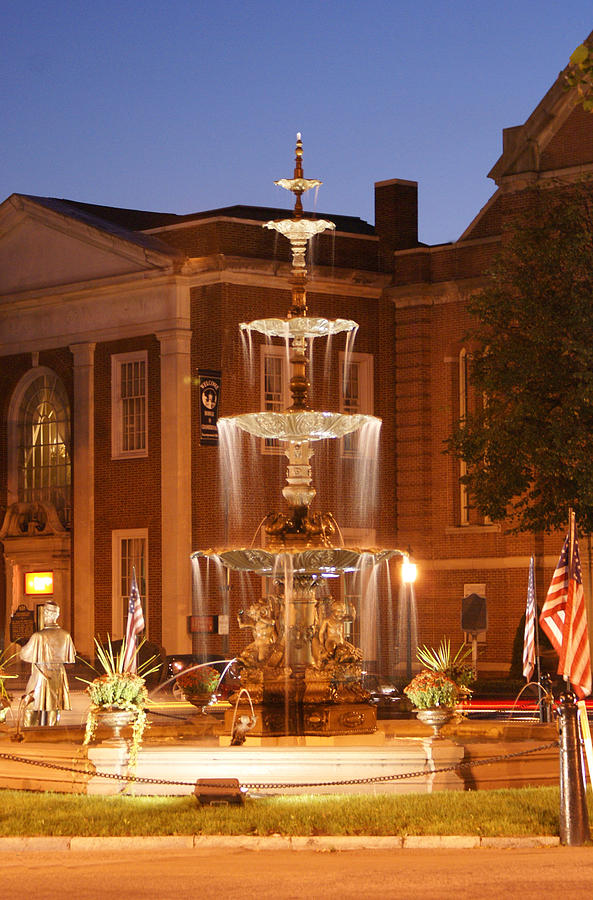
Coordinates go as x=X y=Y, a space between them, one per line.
x=409 y=571
x=39 y=583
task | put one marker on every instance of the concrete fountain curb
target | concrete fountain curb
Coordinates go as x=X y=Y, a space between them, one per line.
x=319 y=844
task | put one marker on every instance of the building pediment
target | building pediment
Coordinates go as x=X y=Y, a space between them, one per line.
x=526 y=152
x=44 y=244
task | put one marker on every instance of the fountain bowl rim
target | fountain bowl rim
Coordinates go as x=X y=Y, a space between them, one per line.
x=321 y=561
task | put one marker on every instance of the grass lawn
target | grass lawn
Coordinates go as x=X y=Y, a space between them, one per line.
x=525 y=811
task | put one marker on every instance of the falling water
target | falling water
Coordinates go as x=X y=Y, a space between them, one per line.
x=247 y=346
x=328 y=365
x=230 y=455
x=284 y=573
x=312 y=257
x=407 y=629
x=387 y=631
x=350 y=338
x=367 y=589
x=222 y=597
x=200 y=593
x=366 y=469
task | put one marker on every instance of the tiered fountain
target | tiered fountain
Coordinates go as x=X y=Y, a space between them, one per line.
x=302 y=674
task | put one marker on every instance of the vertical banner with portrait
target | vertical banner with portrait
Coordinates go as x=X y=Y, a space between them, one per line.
x=209 y=389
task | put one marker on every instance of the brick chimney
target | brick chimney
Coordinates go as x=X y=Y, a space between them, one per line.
x=396 y=218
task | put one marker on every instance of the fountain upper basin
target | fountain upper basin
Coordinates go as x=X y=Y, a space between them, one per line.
x=300 y=326
x=300 y=426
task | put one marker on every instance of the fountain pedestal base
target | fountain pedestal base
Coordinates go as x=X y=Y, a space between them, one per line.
x=339 y=718
x=322 y=719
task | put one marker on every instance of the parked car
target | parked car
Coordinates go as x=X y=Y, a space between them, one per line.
x=389 y=701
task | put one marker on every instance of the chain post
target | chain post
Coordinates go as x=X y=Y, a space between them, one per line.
x=574 y=819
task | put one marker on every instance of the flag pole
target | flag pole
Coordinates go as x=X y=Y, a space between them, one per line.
x=537 y=659
x=570 y=557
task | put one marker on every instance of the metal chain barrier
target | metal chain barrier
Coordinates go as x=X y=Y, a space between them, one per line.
x=262 y=785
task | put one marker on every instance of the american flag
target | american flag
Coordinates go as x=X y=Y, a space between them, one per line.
x=529 y=636
x=134 y=626
x=564 y=617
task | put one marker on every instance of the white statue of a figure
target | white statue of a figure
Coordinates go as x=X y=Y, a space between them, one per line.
x=47 y=651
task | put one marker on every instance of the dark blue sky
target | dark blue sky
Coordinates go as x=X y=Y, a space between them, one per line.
x=184 y=106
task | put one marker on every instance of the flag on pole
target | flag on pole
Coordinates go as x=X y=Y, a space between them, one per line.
x=134 y=626
x=564 y=617
x=529 y=635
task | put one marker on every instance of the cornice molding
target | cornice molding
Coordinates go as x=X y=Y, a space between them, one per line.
x=431 y=294
x=260 y=273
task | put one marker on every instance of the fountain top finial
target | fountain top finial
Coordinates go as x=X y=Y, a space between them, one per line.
x=298 y=157
x=298 y=184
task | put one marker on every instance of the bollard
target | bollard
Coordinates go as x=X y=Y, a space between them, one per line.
x=574 y=820
x=546 y=699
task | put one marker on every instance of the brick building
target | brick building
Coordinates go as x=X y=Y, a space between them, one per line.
x=109 y=318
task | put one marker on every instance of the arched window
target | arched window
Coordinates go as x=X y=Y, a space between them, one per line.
x=40 y=463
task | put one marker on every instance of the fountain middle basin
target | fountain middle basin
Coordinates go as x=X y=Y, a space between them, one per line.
x=314 y=561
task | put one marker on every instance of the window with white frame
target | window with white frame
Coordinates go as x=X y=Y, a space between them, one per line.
x=129 y=403
x=275 y=379
x=356 y=393
x=129 y=553
x=463 y=405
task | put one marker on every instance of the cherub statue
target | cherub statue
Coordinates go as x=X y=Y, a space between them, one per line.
x=260 y=618
x=330 y=641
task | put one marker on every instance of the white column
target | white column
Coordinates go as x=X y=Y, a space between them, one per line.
x=83 y=505
x=176 y=487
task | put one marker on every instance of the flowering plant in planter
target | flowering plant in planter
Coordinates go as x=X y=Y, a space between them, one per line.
x=199 y=683
x=430 y=689
x=445 y=680
x=118 y=690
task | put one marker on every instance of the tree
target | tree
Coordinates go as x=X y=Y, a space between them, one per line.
x=528 y=439
x=579 y=75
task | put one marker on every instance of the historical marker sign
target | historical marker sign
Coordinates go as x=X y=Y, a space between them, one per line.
x=22 y=625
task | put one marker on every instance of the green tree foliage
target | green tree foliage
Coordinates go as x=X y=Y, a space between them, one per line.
x=579 y=75
x=528 y=437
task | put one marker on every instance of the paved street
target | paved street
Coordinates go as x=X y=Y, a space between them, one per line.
x=290 y=875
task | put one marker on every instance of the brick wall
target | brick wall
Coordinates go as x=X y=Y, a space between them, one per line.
x=127 y=491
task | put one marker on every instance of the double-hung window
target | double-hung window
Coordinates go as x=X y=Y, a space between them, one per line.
x=129 y=553
x=129 y=402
